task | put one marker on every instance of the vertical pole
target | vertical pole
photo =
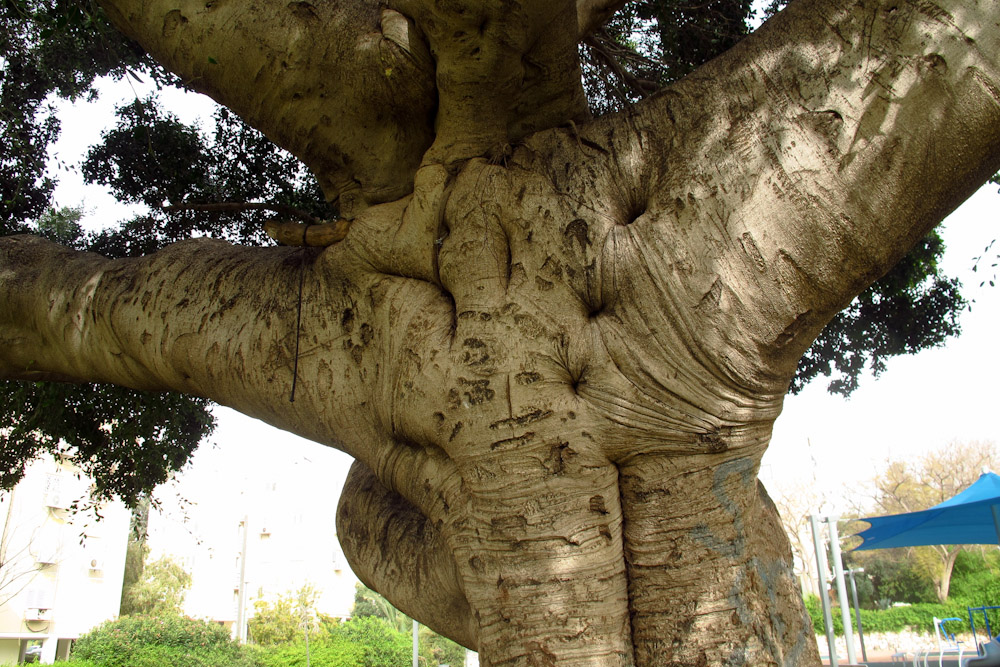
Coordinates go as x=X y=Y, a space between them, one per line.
x=416 y=626
x=857 y=612
x=241 y=594
x=822 y=573
x=48 y=655
x=838 y=573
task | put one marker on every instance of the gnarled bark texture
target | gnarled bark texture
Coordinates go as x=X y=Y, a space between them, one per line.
x=556 y=349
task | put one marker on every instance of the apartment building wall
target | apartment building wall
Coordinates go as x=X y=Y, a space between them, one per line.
x=62 y=570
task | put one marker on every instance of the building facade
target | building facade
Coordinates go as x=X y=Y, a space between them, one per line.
x=61 y=568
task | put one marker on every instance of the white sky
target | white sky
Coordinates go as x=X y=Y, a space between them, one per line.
x=919 y=403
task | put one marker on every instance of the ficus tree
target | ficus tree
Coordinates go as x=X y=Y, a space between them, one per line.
x=555 y=345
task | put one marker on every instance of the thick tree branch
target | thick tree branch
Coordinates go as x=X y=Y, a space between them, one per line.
x=347 y=87
x=397 y=551
x=504 y=70
x=859 y=127
x=205 y=318
x=132 y=322
x=592 y=14
x=760 y=194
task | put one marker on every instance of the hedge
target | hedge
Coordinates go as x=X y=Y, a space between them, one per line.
x=917 y=617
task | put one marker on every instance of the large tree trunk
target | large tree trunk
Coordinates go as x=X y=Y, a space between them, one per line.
x=557 y=367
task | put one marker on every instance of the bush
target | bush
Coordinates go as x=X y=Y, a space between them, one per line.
x=364 y=641
x=383 y=645
x=326 y=652
x=154 y=641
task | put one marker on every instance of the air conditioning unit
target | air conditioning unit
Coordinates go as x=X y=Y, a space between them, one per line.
x=37 y=614
x=55 y=495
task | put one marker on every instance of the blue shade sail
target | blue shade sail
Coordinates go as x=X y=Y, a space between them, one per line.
x=970 y=517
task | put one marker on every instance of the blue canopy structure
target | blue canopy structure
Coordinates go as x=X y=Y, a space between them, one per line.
x=970 y=517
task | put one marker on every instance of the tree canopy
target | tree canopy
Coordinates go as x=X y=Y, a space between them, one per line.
x=229 y=181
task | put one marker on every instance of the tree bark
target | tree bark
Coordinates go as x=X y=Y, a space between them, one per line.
x=943 y=581
x=557 y=365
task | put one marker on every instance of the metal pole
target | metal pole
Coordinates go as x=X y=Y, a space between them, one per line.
x=838 y=572
x=416 y=658
x=857 y=611
x=821 y=571
x=241 y=624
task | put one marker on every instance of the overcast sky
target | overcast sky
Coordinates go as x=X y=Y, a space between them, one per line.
x=919 y=403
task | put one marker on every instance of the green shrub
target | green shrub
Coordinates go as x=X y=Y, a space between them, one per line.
x=383 y=645
x=365 y=641
x=156 y=641
x=975 y=579
x=326 y=652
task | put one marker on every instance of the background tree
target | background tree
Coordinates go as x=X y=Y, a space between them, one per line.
x=160 y=589
x=285 y=618
x=381 y=644
x=18 y=565
x=913 y=485
x=975 y=579
x=890 y=576
x=555 y=346
x=437 y=650
x=795 y=504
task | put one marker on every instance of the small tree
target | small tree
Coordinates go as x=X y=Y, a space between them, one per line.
x=795 y=504
x=283 y=620
x=160 y=589
x=17 y=564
